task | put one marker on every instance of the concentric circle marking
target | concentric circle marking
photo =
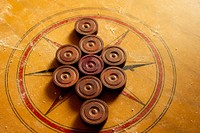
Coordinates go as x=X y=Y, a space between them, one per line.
x=65 y=76
x=132 y=121
x=86 y=26
x=68 y=54
x=128 y=123
x=114 y=56
x=91 y=64
x=113 y=78
x=94 y=111
x=88 y=87
x=91 y=44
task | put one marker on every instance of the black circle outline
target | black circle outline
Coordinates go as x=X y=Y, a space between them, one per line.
x=168 y=51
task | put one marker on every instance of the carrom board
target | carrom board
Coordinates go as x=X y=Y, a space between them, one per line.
x=162 y=42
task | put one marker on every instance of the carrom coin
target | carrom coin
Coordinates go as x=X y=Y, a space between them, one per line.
x=68 y=54
x=91 y=64
x=113 y=78
x=86 y=26
x=65 y=76
x=114 y=56
x=91 y=44
x=88 y=87
x=94 y=111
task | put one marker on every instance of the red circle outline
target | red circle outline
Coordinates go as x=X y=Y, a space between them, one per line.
x=121 y=127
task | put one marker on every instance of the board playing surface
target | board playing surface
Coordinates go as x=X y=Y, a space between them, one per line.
x=161 y=40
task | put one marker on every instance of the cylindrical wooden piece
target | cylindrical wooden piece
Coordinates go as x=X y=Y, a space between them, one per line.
x=88 y=87
x=94 y=111
x=86 y=26
x=113 y=78
x=114 y=56
x=91 y=65
x=68 y=54
x=65 y=76
x=91 y=44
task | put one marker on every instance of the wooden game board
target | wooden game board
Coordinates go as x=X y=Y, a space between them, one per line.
x=162 y=42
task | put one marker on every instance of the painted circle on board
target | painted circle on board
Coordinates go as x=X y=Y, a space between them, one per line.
x=133 y=120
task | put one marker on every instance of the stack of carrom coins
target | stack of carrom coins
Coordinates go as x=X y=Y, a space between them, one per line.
x=98 y=68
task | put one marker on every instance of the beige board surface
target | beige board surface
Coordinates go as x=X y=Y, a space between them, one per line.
x=161 y=38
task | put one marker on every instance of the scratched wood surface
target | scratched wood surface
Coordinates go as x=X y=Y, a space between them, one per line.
x=162 y=41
